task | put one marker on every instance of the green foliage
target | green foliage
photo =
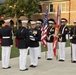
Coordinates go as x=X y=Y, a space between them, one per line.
x=31 y=7
x=14 y=7
x=2 y=7
x=19 y=8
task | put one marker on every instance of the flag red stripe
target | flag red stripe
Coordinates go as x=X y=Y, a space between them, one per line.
x=44 y=29
x=56 y=30
x=44 y=34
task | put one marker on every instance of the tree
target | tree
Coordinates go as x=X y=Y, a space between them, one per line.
x=14 y=7
x=20 y=8
x=2 y=7
x=31 y=7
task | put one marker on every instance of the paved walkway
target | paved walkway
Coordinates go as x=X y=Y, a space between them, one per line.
x=44 y=67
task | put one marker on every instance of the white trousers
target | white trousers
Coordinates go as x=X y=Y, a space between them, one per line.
x=39 y=51
x=50 y=50
x=6 y=50
x=62 y=50
x=34 y=56
x=23 y=58
x=74 y=52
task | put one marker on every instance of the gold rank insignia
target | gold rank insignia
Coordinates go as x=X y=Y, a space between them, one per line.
x=34 y=32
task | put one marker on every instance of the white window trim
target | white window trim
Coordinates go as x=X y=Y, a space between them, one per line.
x=49 y=8
x=61 y=6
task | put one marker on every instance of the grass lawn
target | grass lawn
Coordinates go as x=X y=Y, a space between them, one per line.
x=15 y=51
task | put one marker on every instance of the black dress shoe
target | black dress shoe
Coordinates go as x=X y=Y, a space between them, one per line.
x=49 y=58
x=61 y=60
x=34 y=66
x=73 y=61
x=24 y=69
x=7 y=67
x=31 y=66
x=39 y=57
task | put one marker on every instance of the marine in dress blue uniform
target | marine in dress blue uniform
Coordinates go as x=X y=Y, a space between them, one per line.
x=22 y=35
x=73 y=42
x=62 y=39
x=34 y=36
x=6 y=43
x=39 y=25
x=50 y=37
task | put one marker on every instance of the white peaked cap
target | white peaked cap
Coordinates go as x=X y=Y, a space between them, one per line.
x=50 y=22
x=74 y=21
x=33 y=22
x=8 y=20
x=24 y=21
x=63 y=20
x=38 y=22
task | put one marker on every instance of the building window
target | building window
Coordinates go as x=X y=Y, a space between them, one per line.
x=50 y=7
x=63 y=7
x=40 y=9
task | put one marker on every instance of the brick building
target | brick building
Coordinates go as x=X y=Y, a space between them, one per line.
x=68 y=9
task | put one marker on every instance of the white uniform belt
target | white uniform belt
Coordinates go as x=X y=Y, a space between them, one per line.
x=6 y=37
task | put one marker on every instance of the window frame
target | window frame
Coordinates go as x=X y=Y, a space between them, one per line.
x=49 y=8
x=63 y=9
x=41 y=9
